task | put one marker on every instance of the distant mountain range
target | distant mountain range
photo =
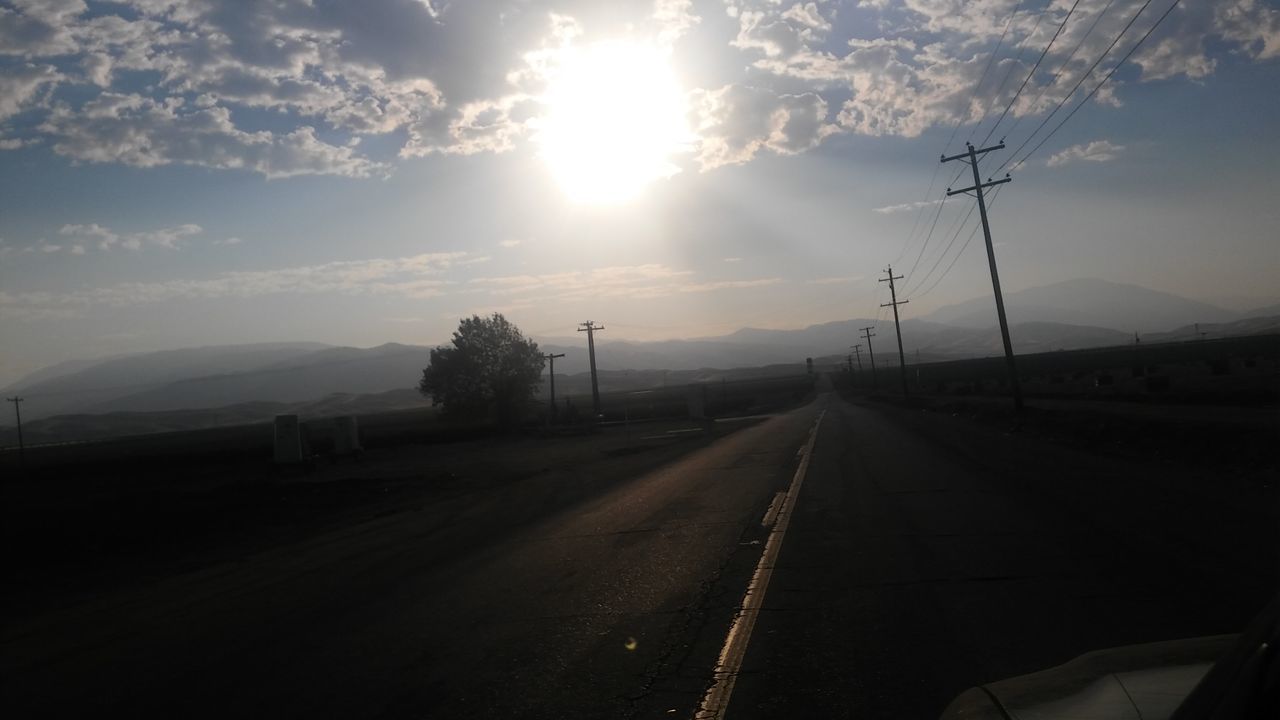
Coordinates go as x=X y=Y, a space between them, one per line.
x=1089 y=302
x=1064 y=316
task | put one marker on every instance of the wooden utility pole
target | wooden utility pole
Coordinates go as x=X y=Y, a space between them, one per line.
x=867 y=335
x=971 y=156
x=551 y=358
x=17 y=411
x=857 y=353
x=590 y=328
x=893 y=296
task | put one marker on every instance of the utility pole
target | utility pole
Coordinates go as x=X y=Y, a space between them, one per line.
x=589 y=327
x=17 y=411
x=849 y=359
x=893 y=296
x=551 y=357
x=867 y=335
x=978 y=186
x=857 y=352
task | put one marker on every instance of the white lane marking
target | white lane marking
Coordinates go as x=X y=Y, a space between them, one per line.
x=775 y=507
x=716 y=701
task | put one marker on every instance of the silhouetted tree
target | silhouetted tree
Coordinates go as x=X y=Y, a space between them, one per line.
x=491 y=368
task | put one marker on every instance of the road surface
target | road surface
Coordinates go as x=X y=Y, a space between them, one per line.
x=923 y=556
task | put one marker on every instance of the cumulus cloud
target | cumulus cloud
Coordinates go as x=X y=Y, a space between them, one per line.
x=136 y=130
x=466 y=77
x=20 y=86
x=1096 y=151
x=737 y=122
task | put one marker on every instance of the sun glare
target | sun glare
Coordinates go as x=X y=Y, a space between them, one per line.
x=615 y=114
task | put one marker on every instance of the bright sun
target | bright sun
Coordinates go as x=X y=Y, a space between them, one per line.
x=615 y=115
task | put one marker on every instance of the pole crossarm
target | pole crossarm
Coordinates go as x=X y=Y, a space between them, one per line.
x=966 y=155
x=984 y=186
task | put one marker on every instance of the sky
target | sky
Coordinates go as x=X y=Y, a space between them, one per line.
x=177 y=173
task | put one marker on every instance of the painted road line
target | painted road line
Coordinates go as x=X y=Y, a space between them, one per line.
x=716 y=701
x=775 y=507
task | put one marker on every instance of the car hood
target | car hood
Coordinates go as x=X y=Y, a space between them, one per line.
x=1142 y=682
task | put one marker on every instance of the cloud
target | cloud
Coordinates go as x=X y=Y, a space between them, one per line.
x=20 y=86
x=106 y=239
x=510 y=243
x=291 y=88
x=414 y=277
x=905 y=207
x=1096 y=151
x=134 y=130
x=836 y=280
x=229 y=241
x=738 y=122
x=636 y=282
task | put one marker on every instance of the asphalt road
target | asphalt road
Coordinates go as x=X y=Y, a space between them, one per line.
x=924 y=555
x=592 y=611
x=927 y=556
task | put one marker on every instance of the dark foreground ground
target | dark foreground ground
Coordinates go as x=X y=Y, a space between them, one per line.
x=929 y=552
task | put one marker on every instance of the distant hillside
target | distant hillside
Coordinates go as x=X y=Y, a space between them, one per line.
x=1212 y=331
x=1089 y=302
x=78 y=386
x=1064 y=316
x=352 y=371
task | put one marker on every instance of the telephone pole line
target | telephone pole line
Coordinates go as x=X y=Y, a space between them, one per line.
x=867 y=335
x=551 y=357
x=971 y=156
x=857 y=351
x=590 y=327
x=17 y=411
x=893 y=296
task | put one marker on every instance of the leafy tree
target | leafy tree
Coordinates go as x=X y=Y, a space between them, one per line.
x=491 y=370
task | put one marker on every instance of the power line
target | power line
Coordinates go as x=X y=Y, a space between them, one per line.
x=1100 y=84
x=1035 y=67
x=1079 y=82
x=919 y=213
x=987 y=68
x=1021 y=47
x=958 y=228
x=972 y=233
x=1058 y=73
x=954 y=130
x=936 y=215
